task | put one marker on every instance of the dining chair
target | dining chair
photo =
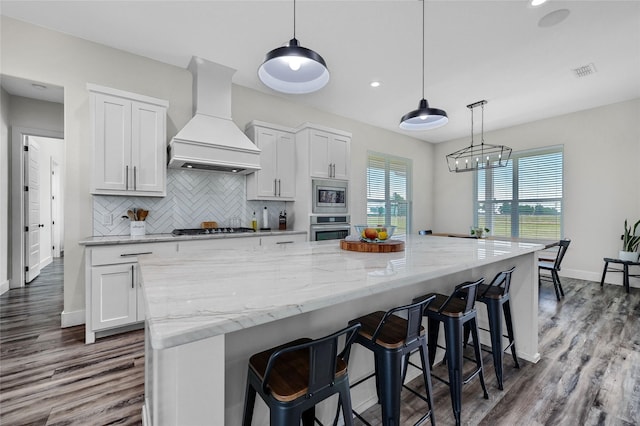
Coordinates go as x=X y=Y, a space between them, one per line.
x=548 y=268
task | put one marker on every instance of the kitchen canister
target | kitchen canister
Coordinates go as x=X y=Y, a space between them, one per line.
x=137 y=228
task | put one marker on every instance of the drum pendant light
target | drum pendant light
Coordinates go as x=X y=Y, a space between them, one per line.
x=425 y=117
x=294 y=69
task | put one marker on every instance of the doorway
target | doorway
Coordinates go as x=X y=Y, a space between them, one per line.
x=33 y=118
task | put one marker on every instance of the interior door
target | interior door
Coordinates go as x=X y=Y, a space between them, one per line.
x=56 y=217
x=32 y=209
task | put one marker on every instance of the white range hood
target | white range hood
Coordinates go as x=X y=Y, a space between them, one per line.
x=211 y=140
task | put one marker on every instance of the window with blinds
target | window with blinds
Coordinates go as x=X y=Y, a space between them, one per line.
x=523 y=199
x=388 y=191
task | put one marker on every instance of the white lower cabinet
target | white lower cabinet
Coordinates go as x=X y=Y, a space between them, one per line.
x=115 y=300
x=114 y=296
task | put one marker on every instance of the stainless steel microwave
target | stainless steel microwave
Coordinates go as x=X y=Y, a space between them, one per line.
x=330 y=196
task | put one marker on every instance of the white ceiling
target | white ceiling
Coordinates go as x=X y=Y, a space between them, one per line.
x=493 y=50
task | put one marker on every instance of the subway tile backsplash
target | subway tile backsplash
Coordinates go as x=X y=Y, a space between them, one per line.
x=192 y=197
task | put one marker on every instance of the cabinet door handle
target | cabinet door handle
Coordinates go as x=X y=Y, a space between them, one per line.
x=135 y=178
x=126 y=178
x=135 y=254
x=132 y=284
x=334 y=169
x=275 y=187
x=285 y=242
x=329 y=169
x=279 y=187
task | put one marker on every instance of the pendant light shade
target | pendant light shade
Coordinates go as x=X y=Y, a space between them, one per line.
x=293 y=68
x=423 y=118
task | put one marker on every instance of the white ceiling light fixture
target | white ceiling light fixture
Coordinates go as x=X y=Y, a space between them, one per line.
x=425 y=117
x=535 y=3
x=294 y=69
x=478 y=157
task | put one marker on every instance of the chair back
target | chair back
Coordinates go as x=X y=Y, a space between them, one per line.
x=323 y=355
x=562 y=249
x=503 y=279
x=414 y=319
x=467 y=292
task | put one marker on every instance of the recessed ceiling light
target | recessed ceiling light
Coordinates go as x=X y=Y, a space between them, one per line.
x=375 y=84
x=535 y=3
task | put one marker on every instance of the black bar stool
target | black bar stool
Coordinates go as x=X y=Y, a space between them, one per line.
x=392 y=339
x=294 y=377
x=550 y=267
x=496 y=297
x=455 y=311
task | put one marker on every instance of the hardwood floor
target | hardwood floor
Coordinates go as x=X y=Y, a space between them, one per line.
x=589 y=373
x=48 y=376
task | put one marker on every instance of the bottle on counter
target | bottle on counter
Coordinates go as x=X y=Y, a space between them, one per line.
x=265 y=219
x=282 y=221
x=254 y=222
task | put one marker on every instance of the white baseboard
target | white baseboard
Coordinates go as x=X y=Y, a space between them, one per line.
x=71 y=319
x=45 y=262
x=611 y=278
x=4 y=287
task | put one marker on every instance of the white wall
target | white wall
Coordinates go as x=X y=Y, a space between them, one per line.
x=601 y=176
x=250 y=105
x=71 y=62
x=50 y=148
x=4 y=191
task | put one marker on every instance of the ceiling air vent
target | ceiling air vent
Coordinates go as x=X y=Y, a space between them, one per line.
x=584 y=70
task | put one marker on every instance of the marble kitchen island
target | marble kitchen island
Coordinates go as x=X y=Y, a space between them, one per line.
x=207 y=313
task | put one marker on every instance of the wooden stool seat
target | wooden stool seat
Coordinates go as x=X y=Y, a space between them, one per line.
x=290 y=374
x=454 y=308
x=294 y=377
x=392 y=336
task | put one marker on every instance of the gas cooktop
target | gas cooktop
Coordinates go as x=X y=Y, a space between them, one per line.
x=205 y=231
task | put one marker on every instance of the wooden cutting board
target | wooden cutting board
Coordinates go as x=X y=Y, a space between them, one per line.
x=390 y=246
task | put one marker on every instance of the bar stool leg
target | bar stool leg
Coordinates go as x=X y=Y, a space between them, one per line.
x=434 y=330
x=308 y=416
x=426 y=374
x=453 y=335
x=476 y=349
x=495 y=331
x=507 y=319
x=604 y=273
x=249 y=402
x=391 y=386
x=345 y=401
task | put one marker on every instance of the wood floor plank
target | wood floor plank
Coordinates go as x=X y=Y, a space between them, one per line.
x=589 y=373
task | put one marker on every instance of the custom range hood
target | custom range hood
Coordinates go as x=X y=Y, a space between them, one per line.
x=211 y=140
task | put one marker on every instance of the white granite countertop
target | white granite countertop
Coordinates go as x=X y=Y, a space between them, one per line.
x=155 y=238
x=194 y=297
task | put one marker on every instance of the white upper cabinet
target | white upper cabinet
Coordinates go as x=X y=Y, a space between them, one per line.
x=129 y=143
x=276 y=180
x=329 y=151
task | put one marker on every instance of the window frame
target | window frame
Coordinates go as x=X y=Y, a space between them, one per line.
x=515 y=196
x=388 y=159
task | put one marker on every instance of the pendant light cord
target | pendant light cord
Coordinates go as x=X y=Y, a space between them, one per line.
x=423 y=2
x=294 y=18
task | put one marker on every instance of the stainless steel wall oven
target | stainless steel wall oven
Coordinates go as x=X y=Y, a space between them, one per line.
x=334 y=227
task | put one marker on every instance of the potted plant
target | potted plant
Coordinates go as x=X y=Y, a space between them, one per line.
x=630 y=243
x=479 y=232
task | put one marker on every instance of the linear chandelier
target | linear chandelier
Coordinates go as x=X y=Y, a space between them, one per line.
x=478 y=157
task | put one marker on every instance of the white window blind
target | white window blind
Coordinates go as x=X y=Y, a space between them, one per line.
x=388 y=191
x=523 y=199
